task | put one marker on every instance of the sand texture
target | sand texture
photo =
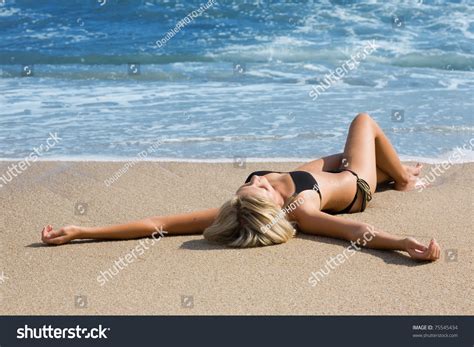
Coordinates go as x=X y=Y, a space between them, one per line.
x=187 y=275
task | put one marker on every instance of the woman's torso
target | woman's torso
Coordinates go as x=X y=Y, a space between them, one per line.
x=337 y=190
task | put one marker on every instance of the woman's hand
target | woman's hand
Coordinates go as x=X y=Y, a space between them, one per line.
x=59 y=237
x=418 y=251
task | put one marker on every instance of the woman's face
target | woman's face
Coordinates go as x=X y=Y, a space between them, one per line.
x=259 y=186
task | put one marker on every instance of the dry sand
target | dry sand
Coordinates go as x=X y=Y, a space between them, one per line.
x=40 y=279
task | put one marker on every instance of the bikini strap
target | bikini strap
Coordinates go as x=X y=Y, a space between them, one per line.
x=365 y=189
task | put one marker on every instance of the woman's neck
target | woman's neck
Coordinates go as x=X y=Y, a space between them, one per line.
x=284 y=186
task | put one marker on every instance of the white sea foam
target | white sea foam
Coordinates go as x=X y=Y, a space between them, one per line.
x=467 y=157
x=7 y=12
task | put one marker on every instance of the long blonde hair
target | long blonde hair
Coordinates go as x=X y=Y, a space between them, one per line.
x=250 y=221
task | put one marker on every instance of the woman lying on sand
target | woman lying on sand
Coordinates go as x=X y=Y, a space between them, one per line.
x=266 y=208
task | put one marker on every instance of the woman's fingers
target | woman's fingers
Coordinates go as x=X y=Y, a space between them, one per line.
x=414 y=244
x=432 y=252
x=43 y=234
x=58 y=240
x=438 y=250
x=57 y=237
x=419 y=246
x=56 y=233
x=49 y=235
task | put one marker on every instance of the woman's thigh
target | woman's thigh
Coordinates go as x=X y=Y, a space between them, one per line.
x=359 y=152
x=331 y=162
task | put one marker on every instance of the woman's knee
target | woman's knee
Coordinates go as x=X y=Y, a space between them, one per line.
x=363 y=117
x=364 y=121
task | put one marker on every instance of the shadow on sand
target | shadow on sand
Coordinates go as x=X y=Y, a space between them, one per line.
x=389 y=257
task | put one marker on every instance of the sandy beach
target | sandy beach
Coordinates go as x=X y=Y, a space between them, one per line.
x=187 y=275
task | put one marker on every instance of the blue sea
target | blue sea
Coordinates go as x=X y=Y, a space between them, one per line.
x=114 y=78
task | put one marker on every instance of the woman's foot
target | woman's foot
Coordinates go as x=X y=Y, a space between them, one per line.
x=61 y=236
x=413 y=170
x=411 y=178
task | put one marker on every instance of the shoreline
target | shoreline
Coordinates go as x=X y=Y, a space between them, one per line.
x=469 y=158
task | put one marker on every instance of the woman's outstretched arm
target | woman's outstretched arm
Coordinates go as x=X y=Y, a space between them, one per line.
x=361 y=234
x=180 y=224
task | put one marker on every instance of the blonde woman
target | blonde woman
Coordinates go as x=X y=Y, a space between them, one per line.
x=267 y=208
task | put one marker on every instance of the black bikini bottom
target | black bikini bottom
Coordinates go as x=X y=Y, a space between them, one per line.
x=364 y=189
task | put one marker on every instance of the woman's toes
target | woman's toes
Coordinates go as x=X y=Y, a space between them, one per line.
x=414 y=170
x=418 y=169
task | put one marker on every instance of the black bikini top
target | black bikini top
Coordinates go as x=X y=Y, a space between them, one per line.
x=303 y=180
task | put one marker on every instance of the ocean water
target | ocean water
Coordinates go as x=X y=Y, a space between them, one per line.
x=113 y=80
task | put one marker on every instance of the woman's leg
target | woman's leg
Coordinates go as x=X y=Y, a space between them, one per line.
x=359 y=151
x=334 y=162
x=367 y=146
